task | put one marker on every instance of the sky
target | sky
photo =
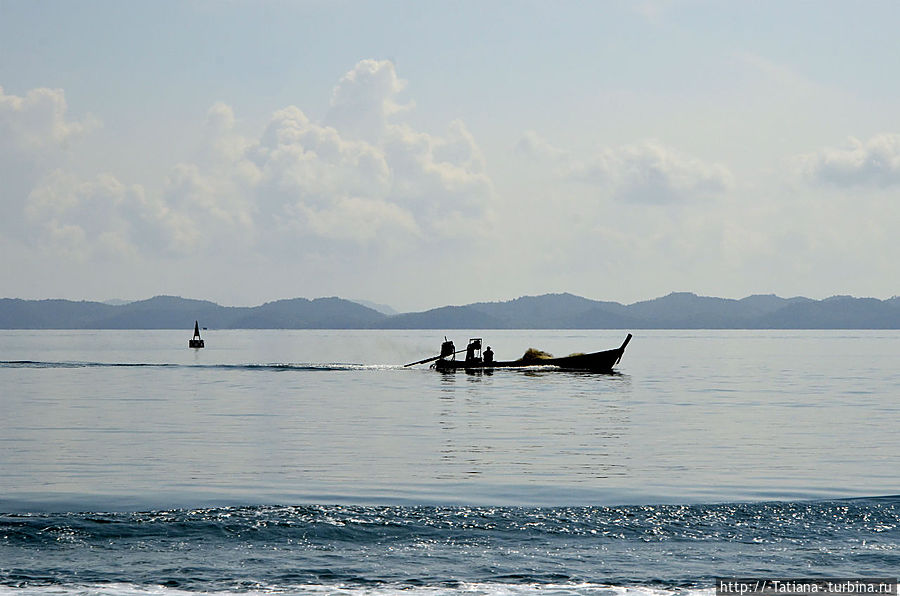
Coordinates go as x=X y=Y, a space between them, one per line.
x=419 y=154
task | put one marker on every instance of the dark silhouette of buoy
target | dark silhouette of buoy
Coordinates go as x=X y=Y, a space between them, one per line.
x=196 y=342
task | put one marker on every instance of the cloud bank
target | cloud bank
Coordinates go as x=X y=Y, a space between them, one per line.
x=364 y=178
x=361 y=201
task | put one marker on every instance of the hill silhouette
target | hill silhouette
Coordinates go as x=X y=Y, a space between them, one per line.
x=678 y=310
x=172 y=312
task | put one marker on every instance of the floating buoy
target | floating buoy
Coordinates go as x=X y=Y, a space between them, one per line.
x=196 y=342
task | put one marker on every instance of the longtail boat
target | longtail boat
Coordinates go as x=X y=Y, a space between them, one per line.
x=594 y=362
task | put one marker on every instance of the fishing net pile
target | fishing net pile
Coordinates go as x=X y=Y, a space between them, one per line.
x=533 y=354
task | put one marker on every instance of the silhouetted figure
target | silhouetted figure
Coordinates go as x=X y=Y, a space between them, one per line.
x=473 y=350
x=489 y=356
x=448 y=350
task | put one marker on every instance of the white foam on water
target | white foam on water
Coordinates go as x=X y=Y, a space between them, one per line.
x=463 y=589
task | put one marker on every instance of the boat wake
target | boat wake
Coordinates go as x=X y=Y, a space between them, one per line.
x=453 y=588
x=295 y=366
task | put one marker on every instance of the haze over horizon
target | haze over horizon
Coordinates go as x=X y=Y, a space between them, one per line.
x=419 y=155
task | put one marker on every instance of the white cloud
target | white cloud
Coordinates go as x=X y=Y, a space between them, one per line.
x=364 y=180
x=437 y=176
x=222 y=142
x=35 y=136
x=355 y=219
x=204 y=209
x=652 y=173
x=81 y=218
x=306 y=162
x=36 y=125
x=535 y=147
x=411 y=182
x=647 y=172
x=875 y=163
x=365 y=99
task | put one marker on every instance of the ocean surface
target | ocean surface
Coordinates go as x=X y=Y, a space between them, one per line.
x=313 y=462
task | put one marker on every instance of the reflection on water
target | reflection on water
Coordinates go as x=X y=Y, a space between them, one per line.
x=557 y=426
x=265 y=417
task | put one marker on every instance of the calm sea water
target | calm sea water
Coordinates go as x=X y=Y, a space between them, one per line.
x=313 y=462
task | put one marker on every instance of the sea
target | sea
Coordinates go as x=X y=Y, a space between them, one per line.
x=314 y=462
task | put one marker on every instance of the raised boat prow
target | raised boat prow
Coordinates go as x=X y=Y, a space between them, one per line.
x=622 y=349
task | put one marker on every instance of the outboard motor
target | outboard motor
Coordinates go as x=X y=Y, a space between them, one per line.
x=448 y=350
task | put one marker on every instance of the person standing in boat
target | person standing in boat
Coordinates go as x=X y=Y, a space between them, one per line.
x=473 y=351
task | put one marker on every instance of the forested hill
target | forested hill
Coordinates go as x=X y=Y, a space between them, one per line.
x=549 y=311
x=171 y=312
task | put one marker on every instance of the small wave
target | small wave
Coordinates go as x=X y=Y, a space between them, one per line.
x=452 y=588
x=660 y=550
x=774 y=522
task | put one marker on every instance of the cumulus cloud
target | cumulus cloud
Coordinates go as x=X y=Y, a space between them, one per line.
x=35 y=136
x=366 y=98
x=300 y=160
x=353 y=218
x=222 y=144
x=535 y=147
x=647 y=172
x=653 y=173
x=314 y=182
x=36 y=125
x=362 y=178
x=83 y=218
x=317 y=178
x=875 y=162
x=438 y=176
x=202 y=209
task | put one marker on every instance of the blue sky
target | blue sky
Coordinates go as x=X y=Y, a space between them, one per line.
x=425 y=153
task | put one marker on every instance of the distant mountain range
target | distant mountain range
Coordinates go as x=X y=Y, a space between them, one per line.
x=171 y=312
x=550 y=311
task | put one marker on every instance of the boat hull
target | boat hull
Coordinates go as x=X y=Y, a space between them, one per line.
x=594 y=362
